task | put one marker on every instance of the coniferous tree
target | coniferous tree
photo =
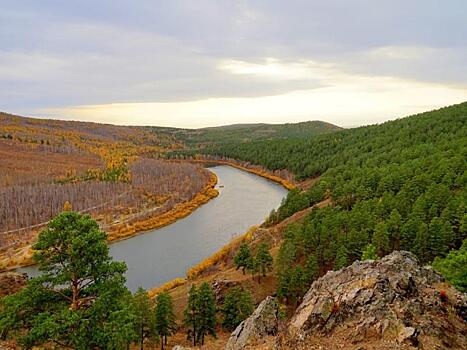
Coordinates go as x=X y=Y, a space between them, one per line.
x=263 y=261
x=454 y=267
x=206 y=313
x=244 y=258
x=421 y=243
x=341 y=258
x=144 y=319
x=311 y=269
x=191 y=314
x=298 y=284
x=80 y=299
x=380 y=239
x=164 y=318
x=369 y=253
x=394 y=228
x=283 y=286
x=436 y=239
x=237 y=306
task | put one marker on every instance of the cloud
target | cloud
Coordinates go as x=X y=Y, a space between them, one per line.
x=59 y=55
x=346 y=100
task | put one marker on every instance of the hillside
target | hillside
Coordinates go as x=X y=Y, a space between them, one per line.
x=395 y=186
x=100 y=169
x=364 y=193
x=240 y=133
x=107 y=171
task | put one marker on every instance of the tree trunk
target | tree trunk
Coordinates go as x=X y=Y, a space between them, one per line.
x=194 y=334
x=75 y=291
x=142 y=336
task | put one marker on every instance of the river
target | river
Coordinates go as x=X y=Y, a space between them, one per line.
x=160 y=255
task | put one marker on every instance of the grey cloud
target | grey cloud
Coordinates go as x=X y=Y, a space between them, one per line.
x=56 y=53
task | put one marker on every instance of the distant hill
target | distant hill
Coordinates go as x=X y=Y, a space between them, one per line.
x=254 y=132
x=38 y=129
x=55 y=131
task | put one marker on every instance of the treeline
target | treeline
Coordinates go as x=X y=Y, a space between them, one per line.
x=375 y=145
x=398 y=185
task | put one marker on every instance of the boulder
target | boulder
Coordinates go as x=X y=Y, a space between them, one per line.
x=394 y=299
x=263 y=322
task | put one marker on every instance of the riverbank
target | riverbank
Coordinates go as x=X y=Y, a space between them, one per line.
x=288 y=184
x=180 y=211
x=23 y=256
x=202 y=266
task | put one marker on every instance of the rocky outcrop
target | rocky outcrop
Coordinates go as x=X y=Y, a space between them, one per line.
x=11 y=282
x=263 y=322
x=179 y=347
x=393 y=301
x=220 y=288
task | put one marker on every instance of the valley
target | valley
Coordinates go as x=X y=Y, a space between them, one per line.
x=352 y=194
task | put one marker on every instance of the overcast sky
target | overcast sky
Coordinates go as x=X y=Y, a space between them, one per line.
x=203 y=63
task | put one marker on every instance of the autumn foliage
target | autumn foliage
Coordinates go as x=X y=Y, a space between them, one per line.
x=226 y=251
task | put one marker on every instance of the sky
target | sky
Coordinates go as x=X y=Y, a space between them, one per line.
x=212 y=62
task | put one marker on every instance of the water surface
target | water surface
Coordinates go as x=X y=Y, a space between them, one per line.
x=160 y=255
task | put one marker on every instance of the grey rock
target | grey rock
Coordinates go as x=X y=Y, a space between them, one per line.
x=263 y=322
x=391 y=296
x=220 y=287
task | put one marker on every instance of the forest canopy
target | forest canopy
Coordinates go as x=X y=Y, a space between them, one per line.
x=397 y=185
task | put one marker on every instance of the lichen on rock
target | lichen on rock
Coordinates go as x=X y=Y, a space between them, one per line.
x=393 y=299
x=263 y=322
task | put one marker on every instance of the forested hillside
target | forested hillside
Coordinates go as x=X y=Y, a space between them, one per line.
x=239 y=133
x=398 y=185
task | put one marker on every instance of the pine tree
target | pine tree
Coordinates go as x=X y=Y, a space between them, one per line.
x=164 y=318
x=79 y=285
x=206 y=313
x=144 y=320
x=341 y=259
x=311 y=269
x=238 y=305
x=369 y=253
x=283 y=286
x=421 y=243
x=191 y=314
x=297 y=285
x=243 y=259
x=439 y=237
x=380 y=239
x=394 y=228
x=263 y=261
x=454 y=267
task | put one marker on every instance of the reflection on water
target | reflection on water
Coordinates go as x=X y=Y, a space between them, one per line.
x=158 y=256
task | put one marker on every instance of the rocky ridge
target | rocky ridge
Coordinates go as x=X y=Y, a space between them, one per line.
x=392 y=303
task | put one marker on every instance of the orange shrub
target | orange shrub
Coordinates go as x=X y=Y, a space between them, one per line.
x=166 y=286
x=220 y=254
